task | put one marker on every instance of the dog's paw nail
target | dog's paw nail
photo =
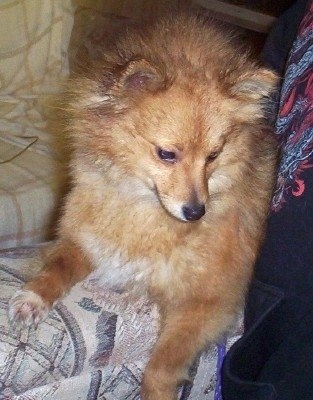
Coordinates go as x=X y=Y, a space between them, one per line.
x=27 y=308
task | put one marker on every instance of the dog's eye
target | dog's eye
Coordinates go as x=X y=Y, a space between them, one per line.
x=165 y=155
x=212 y=156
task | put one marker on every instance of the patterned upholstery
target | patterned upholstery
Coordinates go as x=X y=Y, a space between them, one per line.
x=93 y=345
x=34 y=38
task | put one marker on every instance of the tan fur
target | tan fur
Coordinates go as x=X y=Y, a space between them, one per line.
x=180 y=85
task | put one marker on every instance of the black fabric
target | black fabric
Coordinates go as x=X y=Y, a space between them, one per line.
x=274 y=358
x=281 y=37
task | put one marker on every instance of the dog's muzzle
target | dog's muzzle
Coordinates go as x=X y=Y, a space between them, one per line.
x=193 y=212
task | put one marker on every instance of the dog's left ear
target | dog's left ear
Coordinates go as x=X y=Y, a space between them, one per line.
x=255 y=85
x=254 y=93
x=140 y=74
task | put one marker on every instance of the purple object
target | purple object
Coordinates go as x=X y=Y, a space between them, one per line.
x=221 y=352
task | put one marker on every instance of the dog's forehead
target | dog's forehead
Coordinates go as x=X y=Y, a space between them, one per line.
x=191 y=117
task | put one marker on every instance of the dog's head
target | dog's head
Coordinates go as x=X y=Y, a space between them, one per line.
x=173 y=121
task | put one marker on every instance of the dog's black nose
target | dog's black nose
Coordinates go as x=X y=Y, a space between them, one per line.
x=193 y=212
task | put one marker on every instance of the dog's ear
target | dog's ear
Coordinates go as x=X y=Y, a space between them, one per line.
x=255 y=93
x=140 y=74
x=255 y=85
x=119 y=84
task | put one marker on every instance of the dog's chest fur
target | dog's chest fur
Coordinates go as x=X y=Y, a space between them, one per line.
x=114 y=269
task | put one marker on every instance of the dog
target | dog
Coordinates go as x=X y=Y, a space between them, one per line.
x=172 y=172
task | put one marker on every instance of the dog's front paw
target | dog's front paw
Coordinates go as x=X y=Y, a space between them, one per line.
x=27 y=308
x=156 y=385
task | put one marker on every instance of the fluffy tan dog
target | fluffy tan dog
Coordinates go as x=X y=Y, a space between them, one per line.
x=172 y=173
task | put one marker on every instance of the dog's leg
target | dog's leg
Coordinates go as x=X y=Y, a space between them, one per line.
x=64 y=267
x=186 y=331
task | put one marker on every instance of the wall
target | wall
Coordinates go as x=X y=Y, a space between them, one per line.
x=139 y=9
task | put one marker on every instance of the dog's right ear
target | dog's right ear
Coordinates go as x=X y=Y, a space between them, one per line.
x=120 y=84
x=139 y=75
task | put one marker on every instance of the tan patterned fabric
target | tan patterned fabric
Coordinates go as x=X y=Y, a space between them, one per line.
x=34 y=38
x=94 y=344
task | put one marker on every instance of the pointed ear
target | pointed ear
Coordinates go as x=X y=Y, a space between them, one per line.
x=140 y=74
x=255 y=85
